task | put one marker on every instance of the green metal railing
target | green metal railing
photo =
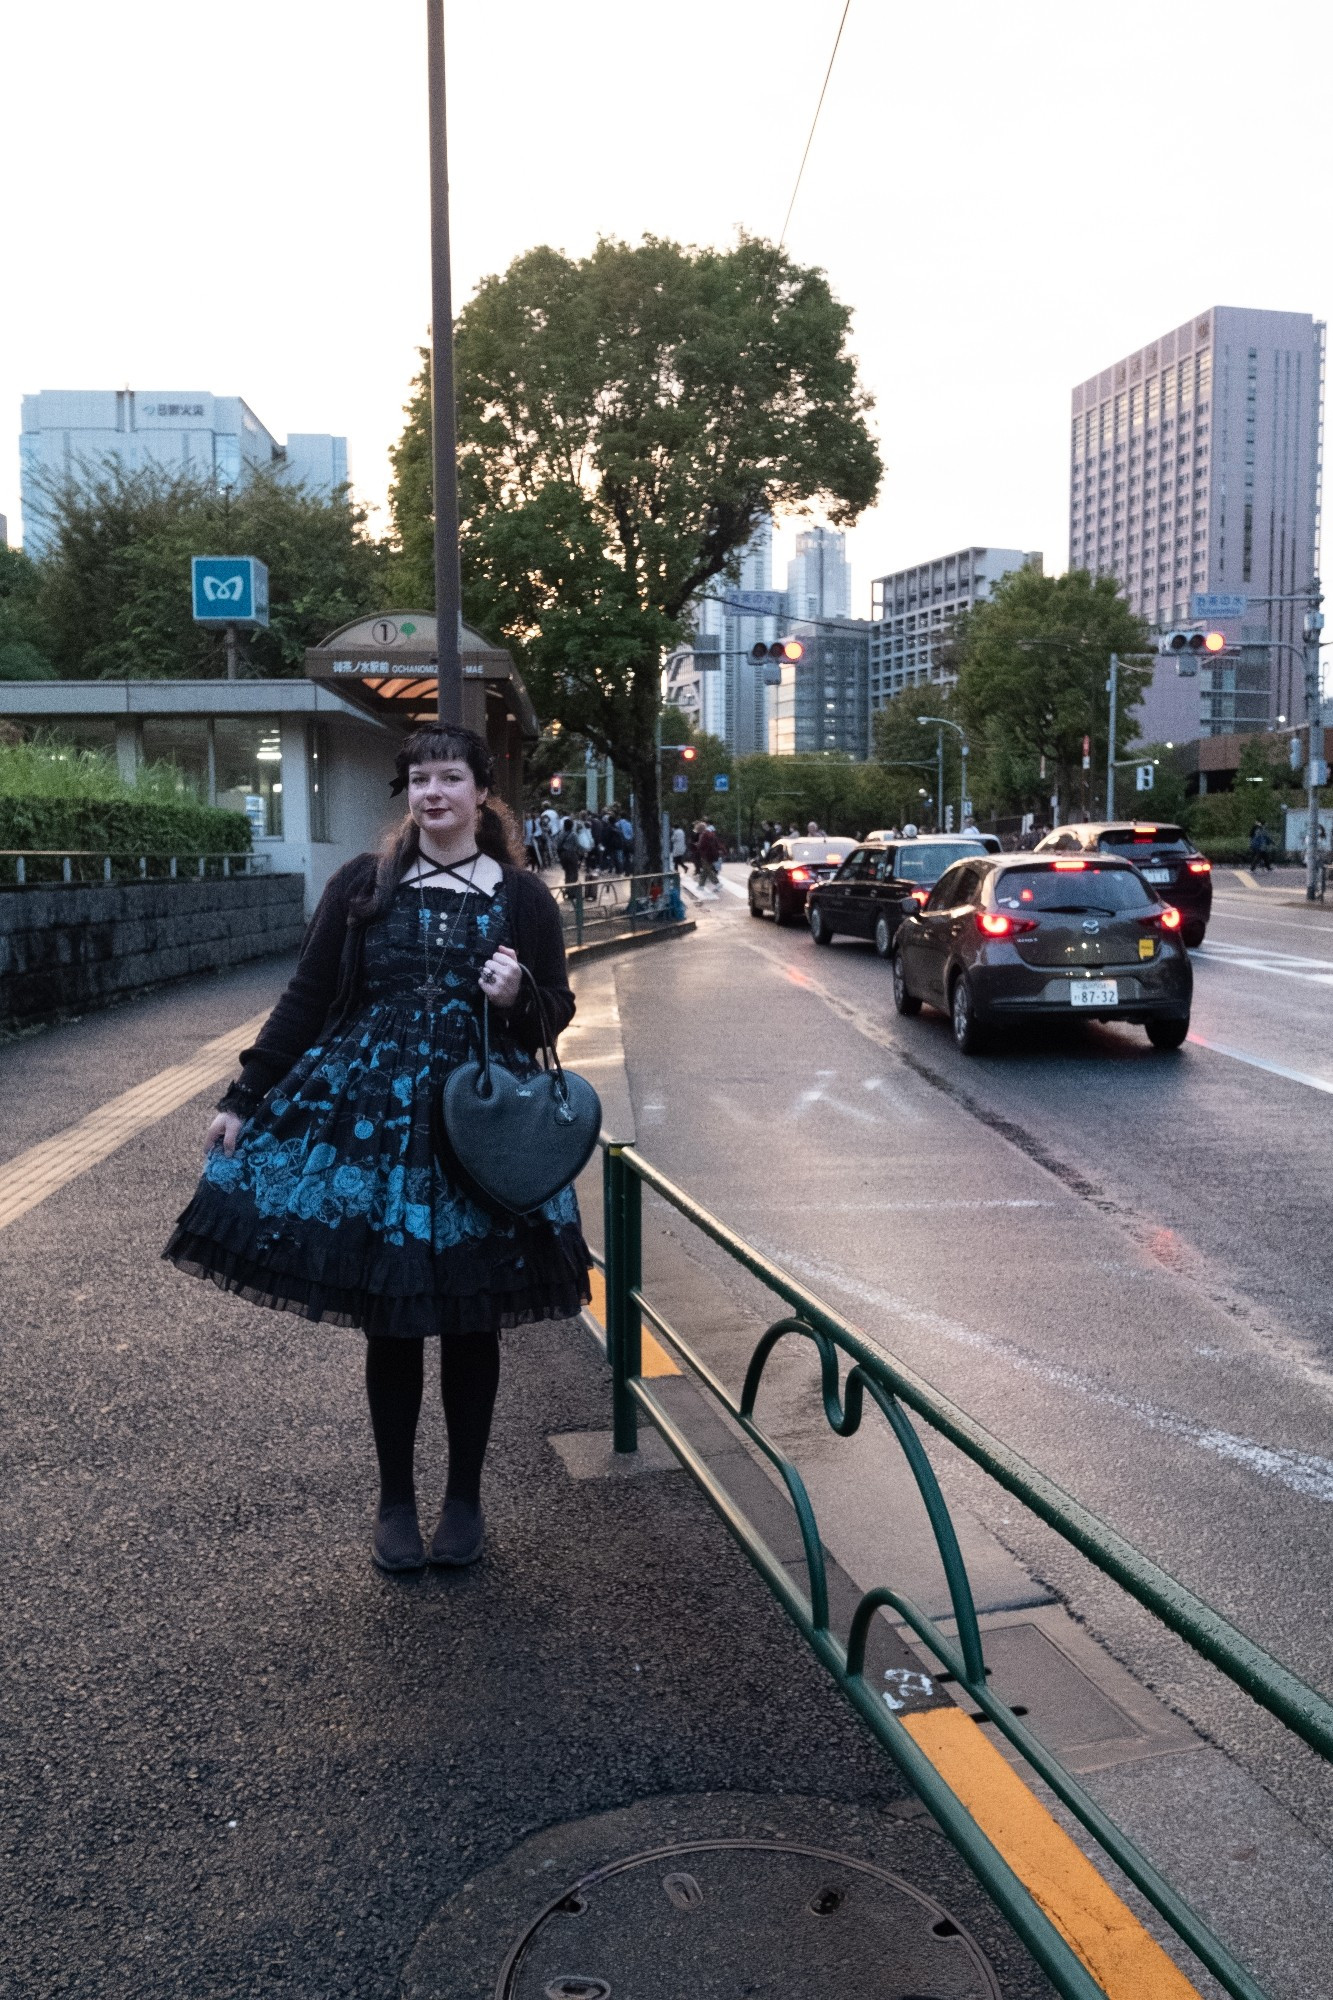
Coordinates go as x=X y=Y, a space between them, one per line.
x=895 y=1390
x=617 y=905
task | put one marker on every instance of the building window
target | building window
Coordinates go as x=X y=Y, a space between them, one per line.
x=183 y=743
x=249 y=771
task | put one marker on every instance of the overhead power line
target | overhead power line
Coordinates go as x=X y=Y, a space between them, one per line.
x=814 y=121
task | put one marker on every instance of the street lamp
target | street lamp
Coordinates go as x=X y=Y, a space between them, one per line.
x=942 y=723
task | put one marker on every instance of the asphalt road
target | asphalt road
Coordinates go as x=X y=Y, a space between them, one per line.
x=1118 y=1259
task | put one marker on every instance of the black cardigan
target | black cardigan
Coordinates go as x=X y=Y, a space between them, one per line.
x=325 y=989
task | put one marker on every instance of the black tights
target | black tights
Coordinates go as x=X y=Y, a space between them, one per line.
x=469 y=1378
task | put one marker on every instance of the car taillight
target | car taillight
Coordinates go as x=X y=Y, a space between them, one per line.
x=1070 y=867
x=920 y=897
x=994 y=923
x=1170 y=918
x=1201 y=867
x=798 y=874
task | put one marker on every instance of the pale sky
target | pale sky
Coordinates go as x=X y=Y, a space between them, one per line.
x=233 y=198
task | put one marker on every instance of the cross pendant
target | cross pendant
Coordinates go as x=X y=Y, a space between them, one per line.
x=429 y=991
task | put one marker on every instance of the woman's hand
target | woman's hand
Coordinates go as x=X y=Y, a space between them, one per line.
x=224 y=1131
x=502 y=977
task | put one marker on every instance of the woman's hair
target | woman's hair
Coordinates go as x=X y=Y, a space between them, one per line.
x=437 y=743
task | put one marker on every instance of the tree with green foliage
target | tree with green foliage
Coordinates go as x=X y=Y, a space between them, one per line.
x=113 y=593
x=23 y=636
x=626 y=420
x=1033 y=661
x=903 y=746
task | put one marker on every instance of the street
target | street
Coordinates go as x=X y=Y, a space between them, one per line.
x=1117 y=1259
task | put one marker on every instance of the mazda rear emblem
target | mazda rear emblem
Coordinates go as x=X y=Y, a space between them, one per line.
x=1091 y=925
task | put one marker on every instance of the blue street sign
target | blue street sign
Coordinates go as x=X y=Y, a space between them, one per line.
x=1219 y=604
x=229 y=590
x=680 y=783
x=722 y=783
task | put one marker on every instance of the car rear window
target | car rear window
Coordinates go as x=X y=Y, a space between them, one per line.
x=1071 y=889
x=1148 y=839
x=815 y=852
x=927 y=864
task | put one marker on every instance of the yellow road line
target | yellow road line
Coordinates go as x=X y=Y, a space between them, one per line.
x=43 y=1169
x=1125 y=1961
x=656 y=1360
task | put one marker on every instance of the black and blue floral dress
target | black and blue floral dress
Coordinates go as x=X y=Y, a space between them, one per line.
x=337 y=1204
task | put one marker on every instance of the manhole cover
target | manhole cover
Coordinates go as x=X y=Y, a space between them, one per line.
x=769 y=1919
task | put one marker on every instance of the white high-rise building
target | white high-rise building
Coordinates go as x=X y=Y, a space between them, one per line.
x=730 y=699
x=75 y=435
x=913 y=612
x=819 y=577
x=1194 y=467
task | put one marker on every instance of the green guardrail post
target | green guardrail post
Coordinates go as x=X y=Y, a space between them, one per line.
x=624 y=1258
x=578 y=913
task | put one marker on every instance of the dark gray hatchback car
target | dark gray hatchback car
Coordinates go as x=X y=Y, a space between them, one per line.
x=1008 y=938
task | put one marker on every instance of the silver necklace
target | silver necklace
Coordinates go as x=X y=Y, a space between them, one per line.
x=430 y=989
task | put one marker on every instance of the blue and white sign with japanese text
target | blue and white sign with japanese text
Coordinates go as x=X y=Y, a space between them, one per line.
x=229 y=590
x=1220 y=604
x=722 y=783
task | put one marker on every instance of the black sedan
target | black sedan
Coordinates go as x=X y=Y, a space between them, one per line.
x=878 y=884
x=1165 y=856
x=1055 y=935
x=780 y=882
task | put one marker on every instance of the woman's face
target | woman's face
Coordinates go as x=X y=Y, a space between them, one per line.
x=443 y=798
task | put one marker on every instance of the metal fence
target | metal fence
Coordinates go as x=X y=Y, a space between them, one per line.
x=895 y=1390
x=44 y=868
x=607 y=906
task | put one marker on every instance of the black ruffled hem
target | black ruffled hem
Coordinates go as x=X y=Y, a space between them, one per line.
x=560 y=1293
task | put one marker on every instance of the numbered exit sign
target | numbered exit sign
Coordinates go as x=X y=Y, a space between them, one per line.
x=229 y=590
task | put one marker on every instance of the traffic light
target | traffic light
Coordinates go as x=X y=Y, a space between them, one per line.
x=778 y=649
x=688 y=753
x=557 y=785
x=1188 y=646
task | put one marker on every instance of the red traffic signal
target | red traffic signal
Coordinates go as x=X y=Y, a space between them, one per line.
x=557 y=785
x=1189 y=647
x=688 y=753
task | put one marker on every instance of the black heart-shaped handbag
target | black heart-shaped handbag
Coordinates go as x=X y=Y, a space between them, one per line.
x=520 y=1139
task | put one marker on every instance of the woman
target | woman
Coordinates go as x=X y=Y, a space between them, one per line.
x=325 y=1192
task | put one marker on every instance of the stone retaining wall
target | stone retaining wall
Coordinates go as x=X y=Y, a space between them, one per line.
x=65 y=950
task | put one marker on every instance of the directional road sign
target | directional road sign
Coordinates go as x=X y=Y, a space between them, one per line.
x=680 y=783
x=722 y=783
x=1210 y=604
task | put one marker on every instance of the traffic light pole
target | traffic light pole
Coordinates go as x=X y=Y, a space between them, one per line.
x=1110 y=738
x=1314 y=753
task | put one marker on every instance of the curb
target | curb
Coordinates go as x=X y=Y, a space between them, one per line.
x=577 y=954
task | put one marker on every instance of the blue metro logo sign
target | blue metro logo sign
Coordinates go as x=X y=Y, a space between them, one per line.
x=229 y=590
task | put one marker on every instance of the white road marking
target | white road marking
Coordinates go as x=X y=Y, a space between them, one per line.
x=1275 y=923
x=736 y=889
x=1263 y=1062
x=1300 y=1472
x=1282 y=964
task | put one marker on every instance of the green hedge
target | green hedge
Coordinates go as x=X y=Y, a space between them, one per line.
x=122 y=826
x=1229 y=853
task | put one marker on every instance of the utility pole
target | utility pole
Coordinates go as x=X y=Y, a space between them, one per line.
x=1110 y=738
x=1314 y=761
x=444 y=426
x=939 y=781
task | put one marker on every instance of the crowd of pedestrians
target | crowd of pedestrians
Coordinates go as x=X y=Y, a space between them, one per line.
x=582 y=844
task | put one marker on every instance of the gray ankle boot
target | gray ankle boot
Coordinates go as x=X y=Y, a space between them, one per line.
x=458 y=1538
x=397 y=1542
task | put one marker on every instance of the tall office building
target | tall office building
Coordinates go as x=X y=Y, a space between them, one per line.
x=820 y=702
x=1195 y=467
x=719 y=686
x=914 y=610
x=75 y=435
x=819 y=577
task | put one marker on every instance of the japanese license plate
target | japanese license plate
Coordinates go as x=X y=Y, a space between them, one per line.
x=1094 y=993
x=1157 y=874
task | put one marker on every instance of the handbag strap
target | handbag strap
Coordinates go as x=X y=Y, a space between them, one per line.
x=550 y=1055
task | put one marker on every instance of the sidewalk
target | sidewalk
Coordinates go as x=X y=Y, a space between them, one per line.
x=239 y=1761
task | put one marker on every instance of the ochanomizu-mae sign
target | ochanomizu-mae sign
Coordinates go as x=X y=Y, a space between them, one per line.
x=387 y=665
